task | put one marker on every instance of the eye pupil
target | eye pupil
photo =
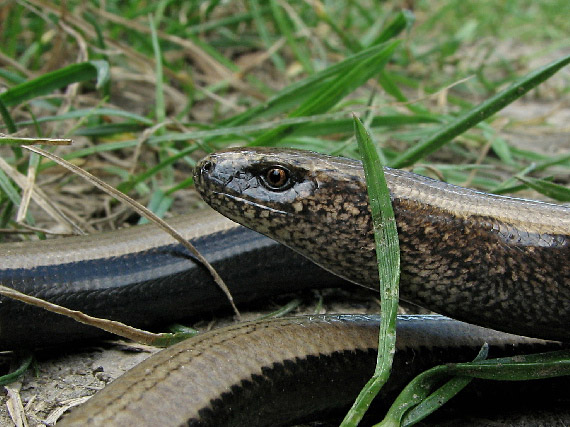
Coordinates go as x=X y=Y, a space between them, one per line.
x=277 y=177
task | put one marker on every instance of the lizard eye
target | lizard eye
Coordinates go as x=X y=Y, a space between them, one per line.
x=277 y=178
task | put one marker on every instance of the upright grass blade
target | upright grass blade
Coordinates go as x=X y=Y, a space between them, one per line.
x=284 y=26
x=479 y=113
x=160 y=109
x=49 y=82
x=101 y=45
x=264 y=33
x=388 y=255
x=10 y=125
x=350 y=42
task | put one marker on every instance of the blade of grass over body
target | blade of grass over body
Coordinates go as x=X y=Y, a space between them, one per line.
x=479 y=113
x=517 y=368
x=388 y=255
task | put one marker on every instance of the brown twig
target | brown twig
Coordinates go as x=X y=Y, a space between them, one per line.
x=112 y=326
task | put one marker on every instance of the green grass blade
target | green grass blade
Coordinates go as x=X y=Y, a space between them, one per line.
x=11 y=77
x=436 y=400
x=388 y=84
x=225 y=22
x=550 y=189
x=331 y=94
x=413 y=394
x=297 y=93
x=517 y=368
x=388 y=255
x=440 y=396
x=264 y=34
x=417 y=401
x=479 y=113
x=10 y=125
x=284 y=26
x=350 y=42
x=9 y=189
x=543 y=163
x=49 y=82
x=127 y=186
x=159 y=108
x=13 y=376
x=343 y=126
x=80 y=113
x=403 y=21
x=321 y=124
x=101 y=45
x=108 y=129
x=159 y=204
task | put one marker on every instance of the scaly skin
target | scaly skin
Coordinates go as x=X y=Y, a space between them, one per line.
x=490 y=260
x=282 y=371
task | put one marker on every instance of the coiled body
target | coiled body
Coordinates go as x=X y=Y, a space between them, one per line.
x=141 y=277
x=282 y=371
